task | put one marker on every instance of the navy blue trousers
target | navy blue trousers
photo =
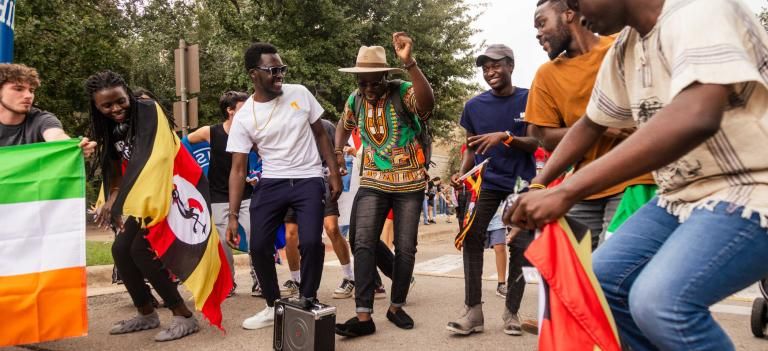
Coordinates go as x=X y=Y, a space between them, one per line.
x=270 y=201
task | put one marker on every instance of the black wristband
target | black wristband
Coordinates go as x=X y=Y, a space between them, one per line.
x=410 y=65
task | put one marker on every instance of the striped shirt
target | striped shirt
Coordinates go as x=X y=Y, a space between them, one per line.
x=705 y=41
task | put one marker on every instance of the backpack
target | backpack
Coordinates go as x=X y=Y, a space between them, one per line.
x=424 y=137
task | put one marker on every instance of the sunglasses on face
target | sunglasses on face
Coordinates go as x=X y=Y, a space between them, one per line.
x=372 y=85
x=274 y=70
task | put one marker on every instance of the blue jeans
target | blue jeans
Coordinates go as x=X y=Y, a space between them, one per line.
x=660 y=276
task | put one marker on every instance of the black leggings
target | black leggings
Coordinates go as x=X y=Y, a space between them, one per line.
x=135 y=261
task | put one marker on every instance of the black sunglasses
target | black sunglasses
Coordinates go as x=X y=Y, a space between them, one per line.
x=274 y=70
x=372 y=85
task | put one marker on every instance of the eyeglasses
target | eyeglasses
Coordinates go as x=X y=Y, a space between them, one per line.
x=372 y=85
x=274 y=70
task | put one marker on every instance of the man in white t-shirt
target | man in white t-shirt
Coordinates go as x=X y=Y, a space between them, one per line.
x=283 y=122
x=691 y=75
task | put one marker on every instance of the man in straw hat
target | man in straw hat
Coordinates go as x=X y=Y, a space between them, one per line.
x=391 y=116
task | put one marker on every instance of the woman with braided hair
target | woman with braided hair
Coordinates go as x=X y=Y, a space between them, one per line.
x=115 y=118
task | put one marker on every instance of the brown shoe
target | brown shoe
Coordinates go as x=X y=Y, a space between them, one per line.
x=530 y=326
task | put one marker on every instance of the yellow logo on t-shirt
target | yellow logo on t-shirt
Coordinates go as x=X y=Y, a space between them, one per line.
x=295 y=105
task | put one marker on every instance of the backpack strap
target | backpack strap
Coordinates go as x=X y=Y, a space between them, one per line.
x=357 y=106
x=397 y=104
x=424 y=136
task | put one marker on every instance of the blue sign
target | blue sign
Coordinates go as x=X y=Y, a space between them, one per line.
x=7 y=19
x=200 y=151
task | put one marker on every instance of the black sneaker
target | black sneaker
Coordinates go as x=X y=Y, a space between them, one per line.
x=354 y=328
x=256 y=290
x=232 y=292
x=501 y=290
x=401 y=319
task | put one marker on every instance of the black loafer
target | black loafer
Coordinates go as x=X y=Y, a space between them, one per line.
x=401 y=319
x=354 y=328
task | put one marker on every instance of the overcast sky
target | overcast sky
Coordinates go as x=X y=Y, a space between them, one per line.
x=510 y=22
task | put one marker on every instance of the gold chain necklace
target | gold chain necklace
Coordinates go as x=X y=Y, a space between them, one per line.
x=253 y=109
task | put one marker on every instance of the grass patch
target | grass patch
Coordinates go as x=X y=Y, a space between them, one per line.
x=98 y=253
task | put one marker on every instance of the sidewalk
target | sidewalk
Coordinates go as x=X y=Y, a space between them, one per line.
x=436 y=299
x=94 y=233
x=99 y=278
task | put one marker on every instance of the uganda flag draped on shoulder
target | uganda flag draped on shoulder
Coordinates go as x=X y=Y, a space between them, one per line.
x=575 y=315
x=165 y=188
x=473 y=182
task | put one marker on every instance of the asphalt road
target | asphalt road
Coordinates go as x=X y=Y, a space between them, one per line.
x=436 y=299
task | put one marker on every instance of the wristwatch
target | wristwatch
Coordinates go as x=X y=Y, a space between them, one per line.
x=508 y=140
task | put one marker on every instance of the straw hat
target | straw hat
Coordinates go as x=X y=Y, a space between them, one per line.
x=370 y=59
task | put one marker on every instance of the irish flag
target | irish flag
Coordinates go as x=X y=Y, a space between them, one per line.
x=42 y=243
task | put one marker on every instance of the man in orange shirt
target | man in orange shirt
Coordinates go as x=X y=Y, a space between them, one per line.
x=558 y=98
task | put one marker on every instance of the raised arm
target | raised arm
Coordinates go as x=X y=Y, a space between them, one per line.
x=425 y=97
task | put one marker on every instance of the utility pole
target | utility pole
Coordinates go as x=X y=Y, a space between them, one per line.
x=187 y=71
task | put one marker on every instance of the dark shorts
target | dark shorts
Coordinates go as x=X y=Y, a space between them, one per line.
x=331 y=209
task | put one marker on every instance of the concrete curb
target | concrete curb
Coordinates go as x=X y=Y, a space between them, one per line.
x=99 y=278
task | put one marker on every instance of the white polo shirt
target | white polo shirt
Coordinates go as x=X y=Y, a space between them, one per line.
x=281 y=131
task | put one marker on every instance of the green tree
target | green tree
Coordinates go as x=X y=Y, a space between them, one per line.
x=317 y=37
x=66 y=41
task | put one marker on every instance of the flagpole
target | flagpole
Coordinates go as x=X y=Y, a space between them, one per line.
x=474 y=169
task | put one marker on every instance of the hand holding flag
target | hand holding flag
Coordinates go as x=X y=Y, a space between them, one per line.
x=472 y=181
x=575 y=315
x=534 y=209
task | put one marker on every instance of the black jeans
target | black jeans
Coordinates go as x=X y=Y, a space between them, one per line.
x=370 y=211
x=135 y=261
x=472 y=251
x=515 y=279
x=385 y=259
x=461 y=209
x=269 y=203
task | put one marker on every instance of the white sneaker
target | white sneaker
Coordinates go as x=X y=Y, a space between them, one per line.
x=263 y=319
x=345 y=290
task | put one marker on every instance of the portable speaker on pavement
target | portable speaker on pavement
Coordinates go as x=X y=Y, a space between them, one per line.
x=303 y=325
